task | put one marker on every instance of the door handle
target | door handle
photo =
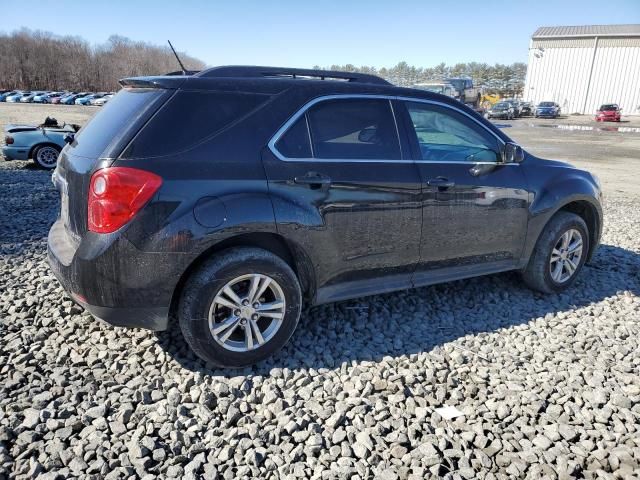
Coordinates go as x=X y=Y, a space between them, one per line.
x=440 y=182
x=313 y=179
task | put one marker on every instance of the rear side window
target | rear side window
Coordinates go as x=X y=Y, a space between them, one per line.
x=361 y=129
x=189 y=118
x=108 y=126
x=295 y=142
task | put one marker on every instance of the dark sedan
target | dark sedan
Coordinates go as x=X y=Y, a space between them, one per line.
x=502 y=110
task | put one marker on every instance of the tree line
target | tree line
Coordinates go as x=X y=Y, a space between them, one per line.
x=498 y=78
x=36 y=60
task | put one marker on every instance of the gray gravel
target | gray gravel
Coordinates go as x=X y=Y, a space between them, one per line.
x=549 y=385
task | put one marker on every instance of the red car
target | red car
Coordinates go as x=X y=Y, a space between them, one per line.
x=608 y=113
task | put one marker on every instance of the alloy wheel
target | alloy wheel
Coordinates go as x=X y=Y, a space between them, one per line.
x=566 y=255
x=47 y=156
x=247 y=312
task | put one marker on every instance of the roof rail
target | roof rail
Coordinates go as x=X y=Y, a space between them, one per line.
x=180 y=72
x=278 y=72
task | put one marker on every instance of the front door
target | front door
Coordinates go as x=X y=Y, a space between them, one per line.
x=475 y=208
x=345 y=191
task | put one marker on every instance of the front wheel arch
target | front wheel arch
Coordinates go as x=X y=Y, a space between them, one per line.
x=585 y=210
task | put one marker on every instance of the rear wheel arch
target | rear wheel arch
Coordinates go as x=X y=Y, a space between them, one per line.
x=44 y=144
x=292 y=254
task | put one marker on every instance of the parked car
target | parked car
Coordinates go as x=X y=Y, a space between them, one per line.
x=438 y=87
x=16 y=97
x=100 y=101
x=46 y=98
x=3 y=96
x=609 y=112
x=42 y=143
x=276 y=192
x=86 y=100
x=56 y=99
x=29 y=98
x=501 y=110
x=467 y=92
x=38 y=97
x=526 y=109
x=517 y=106
x=70 y=100
x=547 y=109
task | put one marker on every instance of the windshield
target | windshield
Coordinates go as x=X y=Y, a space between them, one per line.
x=501 y=106
x=458 y=83
x=608 y=108
x=546 y=104
x=433 y=88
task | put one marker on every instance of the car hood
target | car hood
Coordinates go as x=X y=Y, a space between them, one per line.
x=543 y=162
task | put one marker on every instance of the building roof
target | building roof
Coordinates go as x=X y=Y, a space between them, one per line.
x=629 y=30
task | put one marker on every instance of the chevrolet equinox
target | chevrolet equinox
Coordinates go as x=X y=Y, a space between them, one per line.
x=228 y=198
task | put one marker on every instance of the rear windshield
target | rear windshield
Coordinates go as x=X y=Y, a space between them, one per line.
x=189 y=118
x=108 y=126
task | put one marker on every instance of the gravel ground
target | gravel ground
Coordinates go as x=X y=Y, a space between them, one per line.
x=548 y=385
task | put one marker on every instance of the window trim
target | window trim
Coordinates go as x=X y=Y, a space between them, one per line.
x=303 y=110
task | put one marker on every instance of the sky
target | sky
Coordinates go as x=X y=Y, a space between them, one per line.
x=303 y=33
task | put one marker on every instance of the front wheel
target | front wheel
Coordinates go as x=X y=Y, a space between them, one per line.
x=46 y=156
x=559 y=254
x=239 y=307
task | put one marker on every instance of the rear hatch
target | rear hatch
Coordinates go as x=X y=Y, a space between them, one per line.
x=97 y=144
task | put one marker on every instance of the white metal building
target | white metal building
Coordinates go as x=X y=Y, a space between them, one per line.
x=583 y=67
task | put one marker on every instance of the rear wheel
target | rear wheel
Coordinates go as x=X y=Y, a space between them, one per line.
x=240 y=307
x=46 y=156
x=559 y=255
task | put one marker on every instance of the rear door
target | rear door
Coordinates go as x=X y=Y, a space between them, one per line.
x=345 y=190
x=475 y=209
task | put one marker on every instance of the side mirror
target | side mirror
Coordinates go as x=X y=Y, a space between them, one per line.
x=68 y=138
x=512 y=153
x=368 y=135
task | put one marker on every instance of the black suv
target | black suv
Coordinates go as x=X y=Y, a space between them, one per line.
x=230 y=197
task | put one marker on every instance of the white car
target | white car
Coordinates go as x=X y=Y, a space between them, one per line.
x=101 y=101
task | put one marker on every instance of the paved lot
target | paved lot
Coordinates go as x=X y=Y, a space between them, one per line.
x=548 y=385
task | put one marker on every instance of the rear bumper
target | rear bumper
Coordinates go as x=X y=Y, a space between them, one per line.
x=114 y=281
x=15 y=153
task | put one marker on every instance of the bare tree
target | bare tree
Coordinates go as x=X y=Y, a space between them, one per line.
x=37 y=60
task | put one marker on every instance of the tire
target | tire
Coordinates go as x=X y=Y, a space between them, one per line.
x=46 y=156
x=538 y=273
x=199 y=307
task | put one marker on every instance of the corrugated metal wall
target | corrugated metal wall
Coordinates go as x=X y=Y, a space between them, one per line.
x=559 y=71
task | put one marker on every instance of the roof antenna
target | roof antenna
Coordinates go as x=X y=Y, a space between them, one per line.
x=184 y=70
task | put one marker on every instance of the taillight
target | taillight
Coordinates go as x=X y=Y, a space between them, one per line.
x=116 y=194
x=8 y=140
